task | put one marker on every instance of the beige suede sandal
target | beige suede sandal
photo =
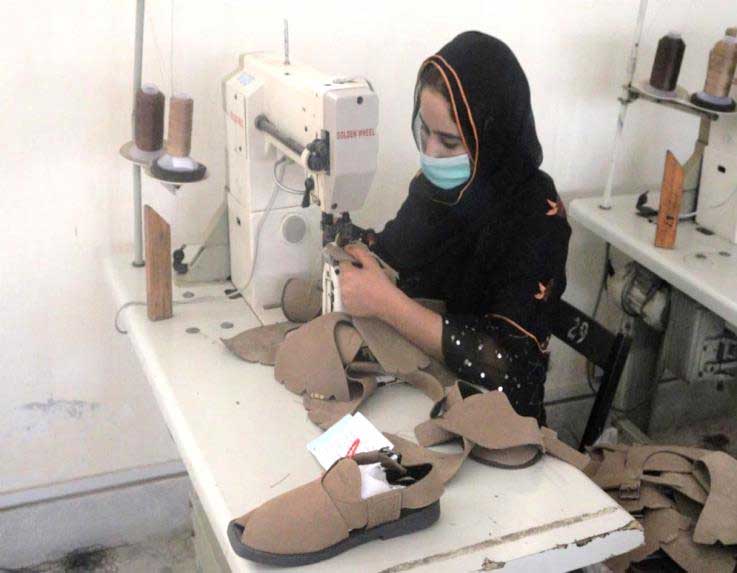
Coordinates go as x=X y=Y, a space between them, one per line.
x=329 y=515
x=491 y=431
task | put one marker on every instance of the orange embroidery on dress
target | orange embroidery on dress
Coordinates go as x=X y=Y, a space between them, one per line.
x=545 y=290
x=543 y=294
x=556 y=208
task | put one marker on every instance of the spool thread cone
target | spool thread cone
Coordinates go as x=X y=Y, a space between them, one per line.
x=148 y=123
x=179 y=140
x=722 y=64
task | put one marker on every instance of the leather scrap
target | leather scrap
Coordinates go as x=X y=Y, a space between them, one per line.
x=362 y=383
x=309 y=361
x=396 y=354
x=259 y=344
x=718 y=520
x=301 y=299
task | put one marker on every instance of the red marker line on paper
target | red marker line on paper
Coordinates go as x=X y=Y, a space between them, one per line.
x=353 y=448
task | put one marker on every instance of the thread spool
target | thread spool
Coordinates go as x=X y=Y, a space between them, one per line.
x=179 y=138
x=719 y=76
x=667 y=64
x=176 y=166
x=732 y=31
x=148 y=127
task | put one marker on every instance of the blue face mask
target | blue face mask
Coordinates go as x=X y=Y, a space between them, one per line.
x=446 y=172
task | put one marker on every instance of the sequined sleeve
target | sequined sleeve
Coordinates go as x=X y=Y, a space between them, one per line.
x=492 y=352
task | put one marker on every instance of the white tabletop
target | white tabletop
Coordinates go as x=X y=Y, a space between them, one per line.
x=702 y=266
x=242 y=437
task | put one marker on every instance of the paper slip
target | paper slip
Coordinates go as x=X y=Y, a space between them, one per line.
x=349 y=435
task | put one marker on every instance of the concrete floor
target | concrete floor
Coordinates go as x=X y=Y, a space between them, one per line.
x=716 y=434
x=165 y=555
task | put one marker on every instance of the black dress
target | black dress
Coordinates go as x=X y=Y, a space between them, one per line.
x=495 y=248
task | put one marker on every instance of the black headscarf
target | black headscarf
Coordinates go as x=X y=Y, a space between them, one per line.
x=490 y=100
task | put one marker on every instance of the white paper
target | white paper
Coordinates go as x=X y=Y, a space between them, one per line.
x=351 y=433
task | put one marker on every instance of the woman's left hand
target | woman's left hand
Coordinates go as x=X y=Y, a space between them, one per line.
x=365 y=291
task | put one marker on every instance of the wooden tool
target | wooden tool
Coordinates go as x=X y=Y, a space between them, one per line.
x=158 y=265
x=671 y=192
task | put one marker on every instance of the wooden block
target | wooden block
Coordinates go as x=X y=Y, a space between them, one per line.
x=158 y=265
x=671 y=193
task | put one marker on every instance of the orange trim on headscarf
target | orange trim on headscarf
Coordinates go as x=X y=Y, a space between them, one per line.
x=465 y=101
x=460 y=129
x=542 y=348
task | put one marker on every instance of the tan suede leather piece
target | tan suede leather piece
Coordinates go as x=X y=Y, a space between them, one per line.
x=301 y=300
x=488 y=419
x=718 y=520
x=324 y=413
x=259 y=344
x=563 y=451
x=684 y=483
x=395 y=353
x=309 y=361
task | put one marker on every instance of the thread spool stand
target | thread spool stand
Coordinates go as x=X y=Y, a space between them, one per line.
x=633 y=91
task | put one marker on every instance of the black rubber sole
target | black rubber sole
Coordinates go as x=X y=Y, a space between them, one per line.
x=410 y=520
x=486 y=462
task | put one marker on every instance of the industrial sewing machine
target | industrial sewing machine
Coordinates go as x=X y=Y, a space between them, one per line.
x=301 y=155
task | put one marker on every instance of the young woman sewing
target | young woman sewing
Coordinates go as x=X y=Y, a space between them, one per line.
x=482 y=228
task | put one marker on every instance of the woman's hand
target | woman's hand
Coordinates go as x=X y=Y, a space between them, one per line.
x=366 y=291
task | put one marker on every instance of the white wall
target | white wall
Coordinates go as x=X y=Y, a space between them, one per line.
x=72 y=399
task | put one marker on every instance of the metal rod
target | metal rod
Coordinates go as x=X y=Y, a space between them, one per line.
x=263 y=124
x=137 y=202
x=625 y=100
x=286 y=42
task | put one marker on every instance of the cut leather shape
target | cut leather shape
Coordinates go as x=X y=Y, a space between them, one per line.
x=660 y=526
x=563 y=451
x=623 y=466
x=495 y=434
x=684 y=483
x=328 y=516
x=425 y=383
x=394 y=352
x=259 y=344
x=697 y=558
x=348 y=340
x=650 y=498
x=309 y=361
x=718 y=520
x=361 y=383
x=333 y=252
x=301 y=300
x=442 y=374
x=686 y=506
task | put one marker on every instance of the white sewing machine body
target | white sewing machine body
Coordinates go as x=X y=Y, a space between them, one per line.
x=326 y=127
x=717 y=207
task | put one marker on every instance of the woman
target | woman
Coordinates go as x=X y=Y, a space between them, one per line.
x=482 y=228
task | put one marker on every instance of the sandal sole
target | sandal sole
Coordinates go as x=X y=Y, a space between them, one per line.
x=487 y=462
x=411 y=520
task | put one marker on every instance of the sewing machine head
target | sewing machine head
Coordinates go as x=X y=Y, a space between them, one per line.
x=325 y=126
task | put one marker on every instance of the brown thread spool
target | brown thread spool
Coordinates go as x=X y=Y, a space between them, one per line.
x=667 y=64
x=149 y=118
x=179 y=139
x=722 y=64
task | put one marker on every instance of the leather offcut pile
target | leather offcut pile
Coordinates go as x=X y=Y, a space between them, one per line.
x=685 y=498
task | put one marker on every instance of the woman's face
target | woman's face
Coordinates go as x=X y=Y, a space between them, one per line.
x=439 y=136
